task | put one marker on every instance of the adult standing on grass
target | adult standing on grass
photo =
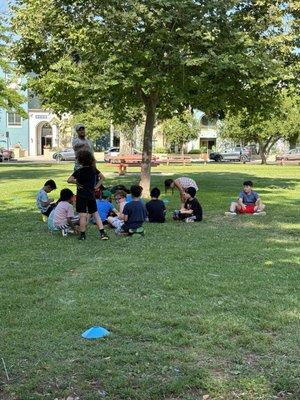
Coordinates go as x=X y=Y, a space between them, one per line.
x=80 y=142
x=181 y=184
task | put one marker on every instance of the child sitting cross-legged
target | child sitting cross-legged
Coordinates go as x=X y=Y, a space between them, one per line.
x=43 y=202
x=104 y=206
x=191 y=210
x=134 y=213
x=117 y=222
x=64 y=218
x=156 y=208
x=248 y=202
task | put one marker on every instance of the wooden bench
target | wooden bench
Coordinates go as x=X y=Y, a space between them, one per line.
x=184 y=160
x=123 y=162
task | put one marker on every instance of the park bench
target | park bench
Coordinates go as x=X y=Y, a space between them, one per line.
x=122 y=162
x=184 y=160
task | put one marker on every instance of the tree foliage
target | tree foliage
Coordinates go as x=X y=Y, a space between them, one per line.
x=282 y=123
x=10 y=97
x=158 y=55
x=181 y=129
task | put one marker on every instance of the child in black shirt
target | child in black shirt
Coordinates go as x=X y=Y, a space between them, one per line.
x=85 y=178
x=156 y=208
x=192 y=210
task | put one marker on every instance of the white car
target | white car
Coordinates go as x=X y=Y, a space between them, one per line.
x=64 y=155
x=114 y=152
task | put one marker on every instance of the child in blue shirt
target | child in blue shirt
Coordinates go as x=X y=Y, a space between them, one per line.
x=248 y=202
x=105 y=207
x=43 y=202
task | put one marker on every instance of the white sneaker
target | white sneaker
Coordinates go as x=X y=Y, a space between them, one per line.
x=230 y=213
x=260 y=213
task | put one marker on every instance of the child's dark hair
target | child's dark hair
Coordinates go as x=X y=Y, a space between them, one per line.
x=121 y=193
x=248 y=183
x=85 y=158
x=136 y=190
x=66 y=195
x=191 y=191
x=155 y=192
x=168 y=182
x=51 y=183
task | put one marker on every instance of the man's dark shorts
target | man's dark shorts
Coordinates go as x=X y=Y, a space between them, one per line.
x=84 y=205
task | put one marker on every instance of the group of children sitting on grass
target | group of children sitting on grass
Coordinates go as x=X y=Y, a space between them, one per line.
x=93 y=203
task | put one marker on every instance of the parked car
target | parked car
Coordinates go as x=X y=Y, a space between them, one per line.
x=292 y=155
x=64 y=155
x=6 y=154
x=114 y=152
x=237 y=154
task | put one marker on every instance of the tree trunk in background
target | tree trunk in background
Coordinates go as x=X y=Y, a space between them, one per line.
x=262 y=152
x=125 y=143
x=293 y=141
x=150 y=107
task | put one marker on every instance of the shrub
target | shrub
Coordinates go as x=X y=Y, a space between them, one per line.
x=194 y=151
x=161 y=150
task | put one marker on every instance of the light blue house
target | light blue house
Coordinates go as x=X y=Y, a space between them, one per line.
x=13 y=128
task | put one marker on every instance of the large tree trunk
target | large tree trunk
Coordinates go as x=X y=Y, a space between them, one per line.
x=150 y=108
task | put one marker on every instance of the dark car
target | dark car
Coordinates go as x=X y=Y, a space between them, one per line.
x=237 y=154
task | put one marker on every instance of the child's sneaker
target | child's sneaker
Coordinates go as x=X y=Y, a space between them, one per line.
x=260 y=213
x=189 y=220
x=64 y=232
x=230 y=213
x=103 y=236
x=82 y=237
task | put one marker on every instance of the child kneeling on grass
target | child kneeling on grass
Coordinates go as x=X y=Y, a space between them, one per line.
x=192 y=210
x=85 y=178
x=64 y=218
x=248 y=202
x=134 y=213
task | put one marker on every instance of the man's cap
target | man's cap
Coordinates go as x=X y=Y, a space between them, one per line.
x=78 y=126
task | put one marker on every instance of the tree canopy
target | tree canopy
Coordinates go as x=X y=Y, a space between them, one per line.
x=282 y=123
x=10 y=97
x=158 y=55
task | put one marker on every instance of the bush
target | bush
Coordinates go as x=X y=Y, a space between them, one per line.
x=161 y=150
x=194 y=151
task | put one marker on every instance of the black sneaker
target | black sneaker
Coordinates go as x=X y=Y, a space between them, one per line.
x=82 y=237
x=103 y=236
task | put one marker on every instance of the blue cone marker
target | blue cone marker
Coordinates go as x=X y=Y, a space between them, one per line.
x=95 y=332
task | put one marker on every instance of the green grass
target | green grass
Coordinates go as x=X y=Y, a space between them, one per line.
x=193 y=309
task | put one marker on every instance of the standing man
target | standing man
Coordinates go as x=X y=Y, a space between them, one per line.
x=81 y=143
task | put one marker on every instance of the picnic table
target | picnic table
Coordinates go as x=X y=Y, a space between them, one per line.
x=122 y=162
x=176 y=160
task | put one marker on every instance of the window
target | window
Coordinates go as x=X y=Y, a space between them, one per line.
x=13 y=119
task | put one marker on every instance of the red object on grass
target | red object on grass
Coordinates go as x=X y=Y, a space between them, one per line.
x=250 y=209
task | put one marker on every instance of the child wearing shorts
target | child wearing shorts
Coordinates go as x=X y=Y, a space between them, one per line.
x=248 y=202
x=64 y=218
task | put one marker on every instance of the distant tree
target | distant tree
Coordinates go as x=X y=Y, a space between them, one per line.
x=10 y=96
x=282 y=123
x=181 y=129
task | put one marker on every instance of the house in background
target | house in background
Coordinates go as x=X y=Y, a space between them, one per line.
x=34 y=134
x=14 y=129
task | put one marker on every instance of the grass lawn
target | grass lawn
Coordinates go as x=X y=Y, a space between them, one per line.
x=199 y=309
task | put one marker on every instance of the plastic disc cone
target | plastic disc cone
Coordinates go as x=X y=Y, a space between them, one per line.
x=96 y=332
